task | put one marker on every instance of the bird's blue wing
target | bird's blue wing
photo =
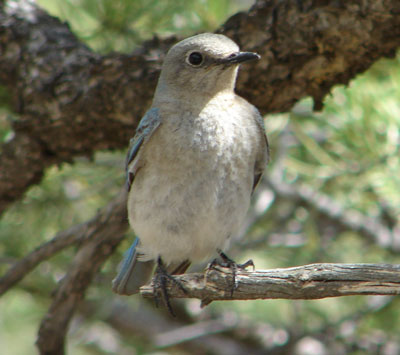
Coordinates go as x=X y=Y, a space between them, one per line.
x=148 y=124
x=263 y=155
x=132 y=273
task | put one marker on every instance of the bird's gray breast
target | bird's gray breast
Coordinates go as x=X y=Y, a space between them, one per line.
x=212 y=150
x=195 y=185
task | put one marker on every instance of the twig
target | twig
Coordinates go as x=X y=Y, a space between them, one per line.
x=312 y=281
x=62 y=240
x=162 y=331
x=375 y=229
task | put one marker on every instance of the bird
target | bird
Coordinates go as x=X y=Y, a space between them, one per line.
x=196 y=158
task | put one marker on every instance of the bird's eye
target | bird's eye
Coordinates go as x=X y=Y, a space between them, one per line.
x=195 y=58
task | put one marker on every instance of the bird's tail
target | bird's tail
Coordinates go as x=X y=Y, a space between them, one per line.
x=132 y=273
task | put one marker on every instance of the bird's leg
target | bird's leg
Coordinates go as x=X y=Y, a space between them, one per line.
x=161 y=276
x=228 y=262
x=232 y=265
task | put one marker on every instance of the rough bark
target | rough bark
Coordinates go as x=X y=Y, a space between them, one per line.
x=312 y=281
x=71 y=101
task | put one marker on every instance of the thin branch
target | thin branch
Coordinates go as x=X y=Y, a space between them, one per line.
x=201 y=336
x=161 y=330
x=350 y=219
x=44 y=251
x=104 y=234
x=312 y=281
x=76 y=234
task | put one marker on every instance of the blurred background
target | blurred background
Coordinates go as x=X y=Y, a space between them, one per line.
x=330 y=194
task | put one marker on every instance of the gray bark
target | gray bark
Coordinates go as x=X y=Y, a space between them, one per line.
x=73 y=102
x=306 y=282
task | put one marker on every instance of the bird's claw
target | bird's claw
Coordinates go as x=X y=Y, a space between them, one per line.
x=232 y=265
x=161 y=278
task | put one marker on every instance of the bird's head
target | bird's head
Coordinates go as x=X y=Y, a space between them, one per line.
x=204 y=64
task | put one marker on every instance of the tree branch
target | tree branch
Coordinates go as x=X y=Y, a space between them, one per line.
x=312 y=281
x=160 y=330
x=77 y=234
x=73 y=102
x=371 y=227
x=103 y=235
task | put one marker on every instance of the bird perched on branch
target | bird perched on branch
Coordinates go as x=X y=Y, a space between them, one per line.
x=197 y=156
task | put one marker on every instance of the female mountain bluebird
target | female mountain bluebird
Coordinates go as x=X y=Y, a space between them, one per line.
x=196 y=158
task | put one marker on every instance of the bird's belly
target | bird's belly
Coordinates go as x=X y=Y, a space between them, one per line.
x=193 y=191
x=187 y=215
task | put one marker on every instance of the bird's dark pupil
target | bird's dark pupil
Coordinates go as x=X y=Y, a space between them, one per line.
x=195 y=58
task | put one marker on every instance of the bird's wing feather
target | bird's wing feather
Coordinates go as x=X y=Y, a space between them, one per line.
x=147 y=126
x=263 y=155
x=132 y=273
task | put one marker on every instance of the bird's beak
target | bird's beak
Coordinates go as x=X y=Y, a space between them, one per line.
x=240 y=57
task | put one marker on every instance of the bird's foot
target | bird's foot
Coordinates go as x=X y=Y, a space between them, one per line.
x=232 y=265
x=161 y=276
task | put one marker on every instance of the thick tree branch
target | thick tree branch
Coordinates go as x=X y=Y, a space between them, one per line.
x=73 y=102
x=103 y=235
x=313 y=281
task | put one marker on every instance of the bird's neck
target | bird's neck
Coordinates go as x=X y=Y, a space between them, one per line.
x=198 y=96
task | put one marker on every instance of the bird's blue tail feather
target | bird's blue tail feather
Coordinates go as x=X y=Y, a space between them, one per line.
x=133 y=273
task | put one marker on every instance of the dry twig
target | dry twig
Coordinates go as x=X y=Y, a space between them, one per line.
x=312 y=281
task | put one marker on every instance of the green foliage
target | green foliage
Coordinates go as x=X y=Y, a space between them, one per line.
x=352 y=149
x=5 y=115
x=119 y=25
x=348 y=152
